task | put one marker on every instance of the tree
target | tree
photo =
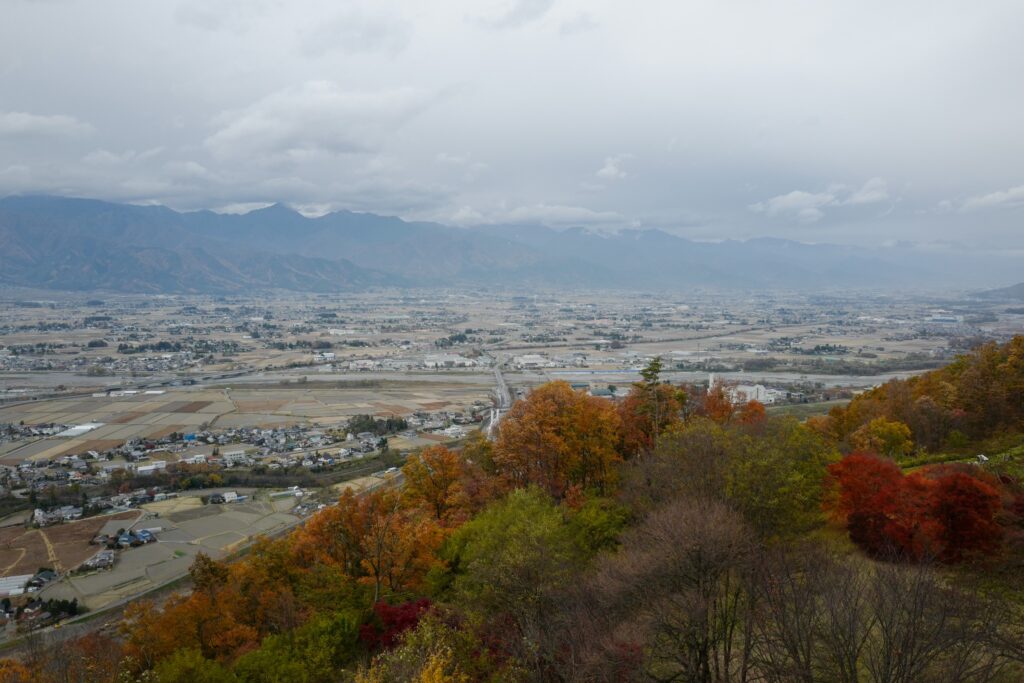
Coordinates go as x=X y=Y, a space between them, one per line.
x=316 y=651
x=374 y=539
x=647 y=412
x=13 y=671
x=390 y=622
x=650 y=408
x=207 y=574
x=717 y=404
x=651 y=374
x=976 y=396
x=887 y=437
x=670 y=605
x=928 y=513
x=434 y=482
x=965 y=509
x=509 y=564
x=752 y=414
x=863 y=480
x=189 y=666
x=822 y=616
x=558 y=437
x=442 y=647
x=777 y=478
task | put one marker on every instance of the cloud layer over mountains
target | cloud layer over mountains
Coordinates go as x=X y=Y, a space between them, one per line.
x=857 y=123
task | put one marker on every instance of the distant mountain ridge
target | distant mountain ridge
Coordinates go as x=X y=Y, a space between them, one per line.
x=1013 y=292
x=73 y=244
x=83 y=244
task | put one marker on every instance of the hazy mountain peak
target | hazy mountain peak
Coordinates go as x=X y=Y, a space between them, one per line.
x=346 y=249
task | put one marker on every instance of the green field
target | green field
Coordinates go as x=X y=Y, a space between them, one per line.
x=806 y=410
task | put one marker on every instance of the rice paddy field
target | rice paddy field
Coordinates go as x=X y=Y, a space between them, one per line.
x=123 y=416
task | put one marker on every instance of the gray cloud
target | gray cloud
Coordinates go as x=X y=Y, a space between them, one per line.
x=612 y=168
x=805 y=206
x=553 y=215
x=581 y=23
x=24 y=124
x=516 y=13
x=873 y=191
x=1002 y=199
x=235 y=16
x=485 y=111
x=319 y=117
x=355 y=32
x=808 y=207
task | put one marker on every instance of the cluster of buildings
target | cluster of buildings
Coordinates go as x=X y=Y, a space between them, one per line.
x=101 y=365
x=278 y=448
x=432 y=361
x=13 y=586
x=65 y=513
x=18 y=432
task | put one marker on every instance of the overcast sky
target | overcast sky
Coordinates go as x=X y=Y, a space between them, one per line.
x=861 y=121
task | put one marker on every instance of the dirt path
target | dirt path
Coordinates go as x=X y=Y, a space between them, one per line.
x=227 y=397
x=21 y=551
x=51 y=553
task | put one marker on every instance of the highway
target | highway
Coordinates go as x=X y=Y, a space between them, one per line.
x=503 y=400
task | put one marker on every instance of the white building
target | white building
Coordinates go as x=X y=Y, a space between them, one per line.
x=448 y=360
x=530 y=361
x=754 y=392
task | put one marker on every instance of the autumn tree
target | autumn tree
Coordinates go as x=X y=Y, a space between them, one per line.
x=752 y=415
x=928 y=513
x=207 y=574
x=966 y=509
x=391 y=622
x=442 y=648
x=976 y=396
x=717 y=404
x=887 y=437
x=558 y=437
x=651 y=407
x=374 y=539
x=13 y=671
x=434 y=481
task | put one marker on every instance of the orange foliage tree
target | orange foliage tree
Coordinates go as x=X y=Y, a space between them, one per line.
x=13 y=671
x=976 y=396
x=373 y=538
x=717 y=404
x=434 y=481
x=651 y=408
x=557 y=438
x=752 y=414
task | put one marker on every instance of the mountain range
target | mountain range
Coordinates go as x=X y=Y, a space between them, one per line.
x=1011 y=293
x=85 y=244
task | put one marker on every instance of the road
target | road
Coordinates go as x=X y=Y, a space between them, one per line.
x=503 y=400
